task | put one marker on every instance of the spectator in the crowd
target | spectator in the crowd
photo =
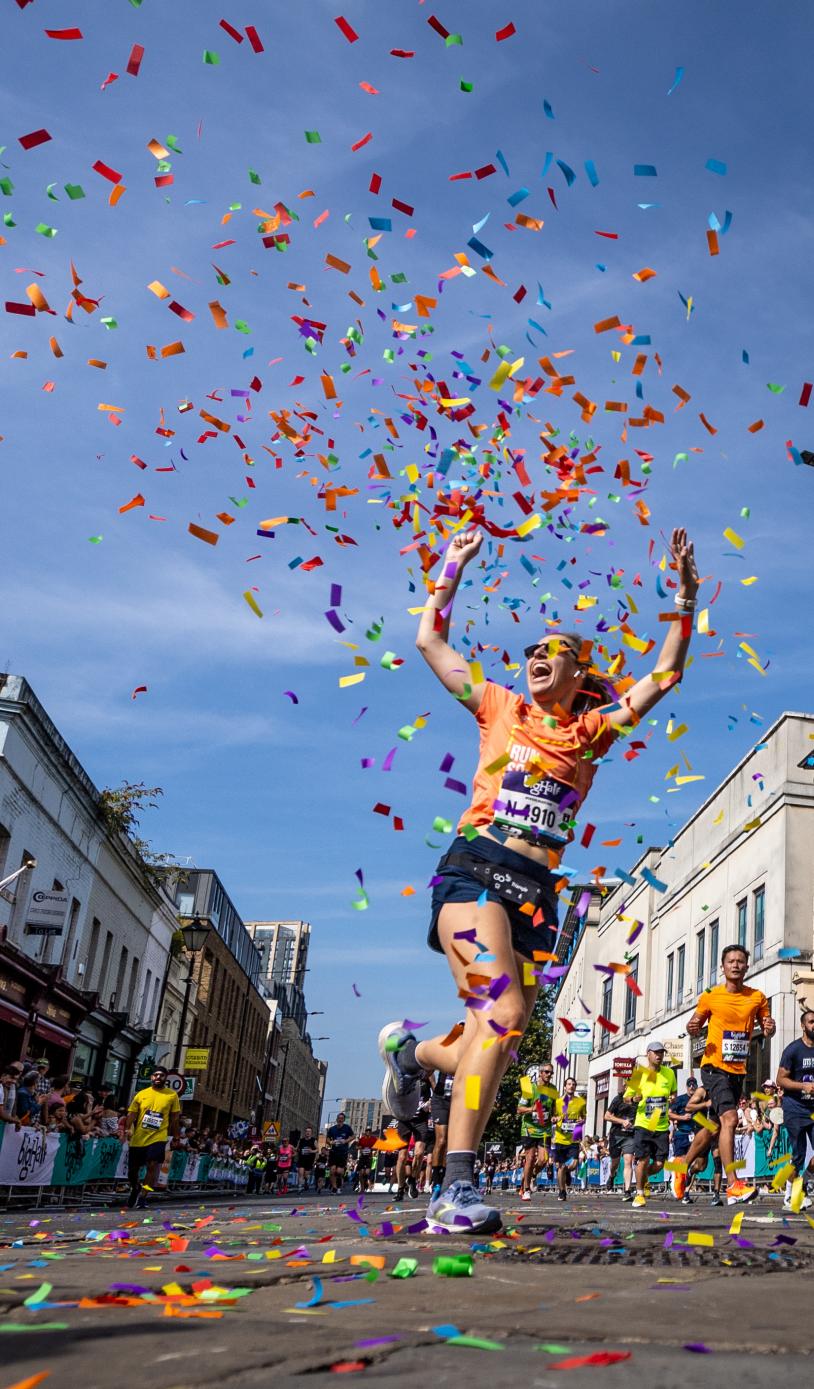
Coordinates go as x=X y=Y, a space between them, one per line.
x=80 y=1114
x=256 y=1163
x=43 y=1069
x=57 y=1120
x=10 y=1073
x=27 y=1108
x=106 y=1118
x=59 y=1089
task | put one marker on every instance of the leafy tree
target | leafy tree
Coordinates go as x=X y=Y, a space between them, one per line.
x=534 y=1047
x=121 y=808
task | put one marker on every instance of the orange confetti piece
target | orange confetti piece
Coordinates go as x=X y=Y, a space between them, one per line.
x=645 y=274
x=138 y=500
x=116 y=194
x=210 y=537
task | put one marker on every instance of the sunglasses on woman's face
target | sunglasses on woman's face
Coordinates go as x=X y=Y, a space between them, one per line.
x=548 y=649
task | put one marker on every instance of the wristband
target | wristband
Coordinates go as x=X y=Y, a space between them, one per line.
x=685 y=604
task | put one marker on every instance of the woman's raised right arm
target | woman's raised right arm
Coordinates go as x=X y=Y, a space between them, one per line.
x=433 y=629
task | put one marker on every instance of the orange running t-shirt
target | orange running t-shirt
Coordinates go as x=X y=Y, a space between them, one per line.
x=729 y=1029
x=545 y=770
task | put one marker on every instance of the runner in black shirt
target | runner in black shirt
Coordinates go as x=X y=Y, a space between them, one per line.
x=306 y=1152
x=795 y=1077
x=619 y=1117
x=339 y=1136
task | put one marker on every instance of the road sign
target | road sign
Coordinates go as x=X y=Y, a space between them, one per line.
x=271 y=1126
x=196 y=1059
x=580 y=1041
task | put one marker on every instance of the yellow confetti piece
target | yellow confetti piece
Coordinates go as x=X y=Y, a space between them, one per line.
x=531 y=523
x=733 y=538
x=529 y=975
x=751 y=580
x=737 y=1221
x=250 y=599
x=699 y=1237
x=682 y=780
x=797 y=1194
x=499 y=376
x=718 y=818
x=675 y=1165
x=498 y=764
x=635 y=642
x=476 y=674
x=751 y=825
x=472 y=1091
x=673 y=733
x=705 y=1123
x=329 y=1257
x=345 y=680
x=526 y=1087
x=703 y=622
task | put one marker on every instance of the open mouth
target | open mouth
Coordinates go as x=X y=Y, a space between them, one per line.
x=540 y=670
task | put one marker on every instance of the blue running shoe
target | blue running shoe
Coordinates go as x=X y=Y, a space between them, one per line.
x=400 y=1092
x=460 y=1210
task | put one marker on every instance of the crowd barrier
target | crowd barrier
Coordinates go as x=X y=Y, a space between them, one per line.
x=29 y=1158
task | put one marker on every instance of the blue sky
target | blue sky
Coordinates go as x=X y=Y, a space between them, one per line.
x=273 y=794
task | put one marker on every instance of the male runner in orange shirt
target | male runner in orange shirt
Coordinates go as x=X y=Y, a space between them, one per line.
x=729 y=1010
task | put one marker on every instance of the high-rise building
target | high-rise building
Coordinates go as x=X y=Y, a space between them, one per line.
x=362 y=1114
x=283 y=950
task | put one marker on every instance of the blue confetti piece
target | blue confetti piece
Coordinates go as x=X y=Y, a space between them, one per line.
x=445 y=1331
x=527 y=565
x=479 y=248
x=601 y=267
x=744 y=356
x=679 y=75
x=593 y=176
x=547 y=165
x=626 y=877
x=316 y=1297
x=541 y=299
x=644 y=206
x=641 y=340
x=500 y=157
x=381 y=223
x=788 y=952
x=482 y=223
x=540 y=329
x=653 y=880
x=548 y=111
x=518 y=197
x=568 y=172
x=716 y=166
x=645 y=171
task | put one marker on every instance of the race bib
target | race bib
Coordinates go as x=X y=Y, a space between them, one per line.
x=151 y=1119
x=568 y=1125
x=654 y=1104
x=536 y=806
x=735 y=1046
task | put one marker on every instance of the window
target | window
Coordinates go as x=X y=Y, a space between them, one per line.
x=630 y=997
x=100 y=986
x=5 y=841
x=670 y=973
x=186 y=904
x=93 y=946
x=607 y=1004
x=742 y=922
x=131 y=987
x=713 y=953
x=699 y=962
x=759 y=915
x=118 y=999
x=680 y=958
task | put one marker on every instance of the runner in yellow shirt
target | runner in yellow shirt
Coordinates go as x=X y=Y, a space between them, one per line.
x=153 y=1117
x=569 y=1122
x=653 y=1086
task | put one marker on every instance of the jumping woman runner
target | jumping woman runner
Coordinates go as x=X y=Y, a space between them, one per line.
x=537 y=760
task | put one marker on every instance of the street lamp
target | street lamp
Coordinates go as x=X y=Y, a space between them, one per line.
x=194 y=935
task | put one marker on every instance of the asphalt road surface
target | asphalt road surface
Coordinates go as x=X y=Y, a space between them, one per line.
x=270 y=1291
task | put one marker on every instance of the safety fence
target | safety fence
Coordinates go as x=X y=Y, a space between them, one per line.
x=44 y=1167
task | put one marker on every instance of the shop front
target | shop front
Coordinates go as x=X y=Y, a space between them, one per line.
x=39 y=1012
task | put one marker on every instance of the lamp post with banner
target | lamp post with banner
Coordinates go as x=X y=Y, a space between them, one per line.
x=194 y=934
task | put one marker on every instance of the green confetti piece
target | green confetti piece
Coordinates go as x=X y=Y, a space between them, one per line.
x=345 y=367
x=44 y=229
x=235 y=207
x=474 y=1342
x=136 y=4
x=241 y=326
x=442 y=826
x=453 y=1265
x=470 y=832
x=746 y=511
x=775 y=390
x=34 y=1326
x=110 y=323
x=51 y=194
x=39 y=1295
x=405 y=1268
x=172 y=143
x=407 y=733
x=95 y=539
x=387 y=660
x=210 y=58
x=453 y=39
x=389 y=355
x=467 y=86
x=313 y=137
x=551 y=1349
x=254 y=176
x=399 y=278
x=7 y=187
x=374 y=631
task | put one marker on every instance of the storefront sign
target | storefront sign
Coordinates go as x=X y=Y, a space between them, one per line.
x=602 y=1084
x=674 y=1052
x=196 y=1059
x=46 y=913
x=623 y=1066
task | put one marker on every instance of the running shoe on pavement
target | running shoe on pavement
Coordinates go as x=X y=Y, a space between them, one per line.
x=400 y=1092
x=679 y=1185
x=806 y=1202
x=460 y=1209
x=639 y=1201
x=526 y=1196
x=738 y=1192
x=717 y=1199
x=688 y=1201
x=627 y=1195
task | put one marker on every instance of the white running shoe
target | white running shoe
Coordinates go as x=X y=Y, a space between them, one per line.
x=400 y=1092
x=806 y=1202
x=525 y=1196
x=460 y=1210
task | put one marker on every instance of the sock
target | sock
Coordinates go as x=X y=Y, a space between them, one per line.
x=787 y=1194
x=460 y=1168
x=407 y=1061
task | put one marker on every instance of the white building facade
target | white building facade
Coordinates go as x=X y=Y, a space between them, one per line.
x=739 y=871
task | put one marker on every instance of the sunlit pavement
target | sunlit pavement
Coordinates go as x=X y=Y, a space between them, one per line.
x=265 y=1290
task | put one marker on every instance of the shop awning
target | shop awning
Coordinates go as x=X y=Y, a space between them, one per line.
x=18 y=1017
